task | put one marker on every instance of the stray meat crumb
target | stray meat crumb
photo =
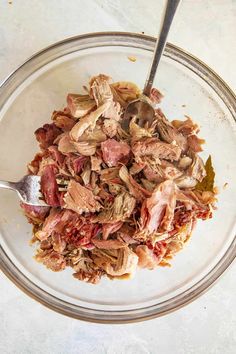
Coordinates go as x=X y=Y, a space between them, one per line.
x=133 y=59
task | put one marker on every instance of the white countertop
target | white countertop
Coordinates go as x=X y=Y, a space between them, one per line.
x=205 y=28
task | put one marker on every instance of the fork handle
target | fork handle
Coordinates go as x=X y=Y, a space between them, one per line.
x=8 y=185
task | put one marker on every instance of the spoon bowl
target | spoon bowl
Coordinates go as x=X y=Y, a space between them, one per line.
x=142 y=107
x=142 y=110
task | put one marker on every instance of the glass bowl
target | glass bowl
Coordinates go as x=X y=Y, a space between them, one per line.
x=40 y=85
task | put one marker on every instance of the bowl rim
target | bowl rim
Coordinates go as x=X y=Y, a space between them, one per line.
x=136 y=315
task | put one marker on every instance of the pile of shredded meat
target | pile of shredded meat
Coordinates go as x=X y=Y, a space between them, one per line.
x=117 y=199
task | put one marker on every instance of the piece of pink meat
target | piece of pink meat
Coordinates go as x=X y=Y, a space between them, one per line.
x=49 y=187
x=115 y=152
x=35 y=213
x=108 y=229
x=56 y=155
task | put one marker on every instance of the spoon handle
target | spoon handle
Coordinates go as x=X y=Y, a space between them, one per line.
x=171 y=7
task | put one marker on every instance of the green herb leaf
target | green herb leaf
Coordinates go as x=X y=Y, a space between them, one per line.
x=207 y=184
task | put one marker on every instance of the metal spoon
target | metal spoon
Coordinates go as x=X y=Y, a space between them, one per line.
x=142 y=108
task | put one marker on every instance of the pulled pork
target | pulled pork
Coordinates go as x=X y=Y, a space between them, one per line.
x=117 y=200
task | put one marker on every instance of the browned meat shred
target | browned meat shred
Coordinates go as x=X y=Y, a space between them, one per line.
x=117 y=200
x=157 y=149
x=63 y=120
x=47 y=134
x=155 y=95
x=35 y=214
x=168 y=132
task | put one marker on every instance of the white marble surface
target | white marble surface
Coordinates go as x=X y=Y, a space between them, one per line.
x=207 y=28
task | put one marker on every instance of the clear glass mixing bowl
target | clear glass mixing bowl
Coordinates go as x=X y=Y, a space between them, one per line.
x=27 y=98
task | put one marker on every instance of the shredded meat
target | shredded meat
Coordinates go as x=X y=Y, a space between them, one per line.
x=186 y=127
x=120 y=210
x=115 y=152
x=161 y=172
x=186 y=181
x=48 y=226
x=88 y=121
x=184 y=162
x=52 y=260
x=156 y=148
x=194 y=143
x=63 y=120
x=35 y=214
x=138 y=132
x=65 y=144
x=158 y=210
x=108 y=229
x=135 y=188
x=124 y=261
x=110 y=127
x=108 y=244
x=49 y=186
x=96 y=163
x=56 y=155
x=155 y=95
x=92 y=277
x=149 y=258
x=47 y=134
x=75 y=164
x=79 y=105
x=34 y=165
x=117 y=199
x=80 y=199
x=124 y=92
x=196 y=169
x=168 y=132
x=100 y=89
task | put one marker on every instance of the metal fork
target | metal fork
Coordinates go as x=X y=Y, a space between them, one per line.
x=28 y=190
